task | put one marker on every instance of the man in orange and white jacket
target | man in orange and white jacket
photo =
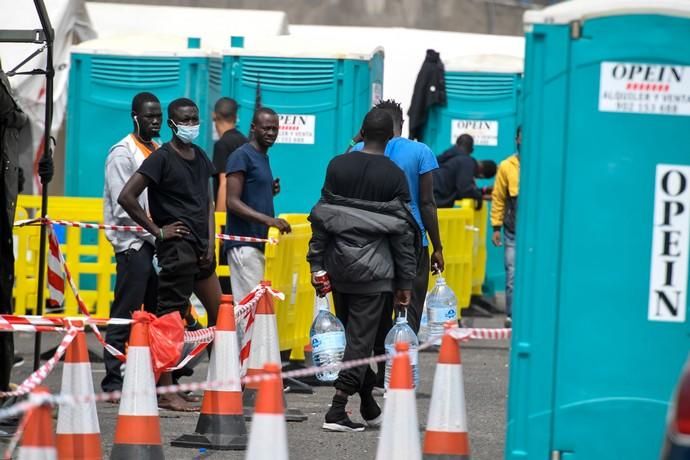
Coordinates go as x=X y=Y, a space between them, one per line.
x=504 y=214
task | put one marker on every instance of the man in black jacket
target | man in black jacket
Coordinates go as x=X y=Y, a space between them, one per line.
x=365 y=236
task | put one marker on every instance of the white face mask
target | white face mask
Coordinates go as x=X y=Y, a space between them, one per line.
x=187 y=133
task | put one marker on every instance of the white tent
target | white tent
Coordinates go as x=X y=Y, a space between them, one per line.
x=71 y=25
x=213 y=25
x=405 y=50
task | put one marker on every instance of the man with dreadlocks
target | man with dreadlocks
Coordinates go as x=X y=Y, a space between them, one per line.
x=417 y=162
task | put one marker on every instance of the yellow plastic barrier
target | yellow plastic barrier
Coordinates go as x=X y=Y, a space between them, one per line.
x=457 y=236
x=479 y=245
x=83 y=257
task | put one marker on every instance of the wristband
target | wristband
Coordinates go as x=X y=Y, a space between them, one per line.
x=161 y=235
x=353 y=142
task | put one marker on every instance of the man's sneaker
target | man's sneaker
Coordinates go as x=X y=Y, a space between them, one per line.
x=508 y=323
x=370 y=411
x=342 y=425
x=18 y=361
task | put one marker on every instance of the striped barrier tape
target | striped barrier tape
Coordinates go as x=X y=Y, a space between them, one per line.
x=131 y=228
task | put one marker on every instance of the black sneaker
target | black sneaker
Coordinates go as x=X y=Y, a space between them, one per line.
x=343 y=425
x=370 y=411
x=18 y=361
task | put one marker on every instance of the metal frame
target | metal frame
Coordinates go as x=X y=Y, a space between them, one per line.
x=45 y=35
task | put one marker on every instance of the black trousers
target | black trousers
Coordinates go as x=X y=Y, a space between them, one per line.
x=414 y=314
x=136 y=285
x=6 y=283
x=180 y=269
x=361 y=314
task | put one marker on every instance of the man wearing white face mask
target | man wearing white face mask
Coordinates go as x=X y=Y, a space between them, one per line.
x=176 y=177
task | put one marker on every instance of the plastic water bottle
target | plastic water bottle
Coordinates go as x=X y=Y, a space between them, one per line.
x=442 y=306
x=327 y=340
x=402 y=332
x=423 y=334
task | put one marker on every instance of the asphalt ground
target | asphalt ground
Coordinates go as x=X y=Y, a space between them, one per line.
x=485 y=369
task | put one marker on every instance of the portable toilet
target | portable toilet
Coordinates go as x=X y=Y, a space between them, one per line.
x=600 y=330
x=483 y=93
x=106 y=74
x=321 y=93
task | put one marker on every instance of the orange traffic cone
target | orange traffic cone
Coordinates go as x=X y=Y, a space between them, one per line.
x=38 y=440
x=399 y=438
x=265 y=349
x=221 y=422
x=78 y=432
x=138 y=429
x=268 y=438
x=446 y=430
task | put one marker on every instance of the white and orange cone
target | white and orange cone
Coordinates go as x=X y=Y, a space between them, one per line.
x=138 y=429
x=78 y=432
x=268 y=437
x=221 y=423
x=38 y=440
x=265 y=349
x=446 y=431
x=399 y=438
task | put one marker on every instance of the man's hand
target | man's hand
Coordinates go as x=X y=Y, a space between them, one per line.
x=46 y=168
x=281 y=224
x=174 y=230
x=206 y=260
x=437 y=262
x=403 y=297
x=276 y=186
x=322 y=288
x=496 y=238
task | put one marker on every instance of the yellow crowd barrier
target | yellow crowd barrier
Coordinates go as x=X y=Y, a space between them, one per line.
x=91 y=261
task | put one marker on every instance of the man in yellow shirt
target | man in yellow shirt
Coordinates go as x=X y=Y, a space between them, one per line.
x=503 y=215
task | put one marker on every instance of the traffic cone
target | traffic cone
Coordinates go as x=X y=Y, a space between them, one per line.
x=38 y=440
x=138 y=429
x=78 y=432
x=221 y=422
x=399 y=438
x=268 y=438
x=264 y=349
x=446 y=430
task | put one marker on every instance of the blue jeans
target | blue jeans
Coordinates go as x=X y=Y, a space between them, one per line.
x=509 y=261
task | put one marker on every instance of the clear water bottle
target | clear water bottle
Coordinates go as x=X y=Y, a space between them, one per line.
x=327 y=340
x=442 y=306
x=402 y=332
x=423 y=334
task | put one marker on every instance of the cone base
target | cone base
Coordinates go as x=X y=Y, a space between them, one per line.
x=445 y=457
x=136 y=452
x=249 y=401
x=212 y=441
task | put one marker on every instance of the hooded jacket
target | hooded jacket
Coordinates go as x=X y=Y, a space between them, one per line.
x=429 y=90
x=454 y=180
x=365 y=246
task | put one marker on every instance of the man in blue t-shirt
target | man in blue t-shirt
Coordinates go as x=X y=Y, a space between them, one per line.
x=417 y=162
x=249 y=200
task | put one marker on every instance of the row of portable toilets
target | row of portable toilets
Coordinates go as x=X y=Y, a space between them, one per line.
x=600 y=325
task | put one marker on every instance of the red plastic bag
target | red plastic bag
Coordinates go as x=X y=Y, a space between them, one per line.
x=166 y=338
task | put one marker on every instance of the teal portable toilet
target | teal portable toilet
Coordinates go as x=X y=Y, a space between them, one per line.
x=321 y=94
x=483 y=101
x=104 y=77
x=600 y=330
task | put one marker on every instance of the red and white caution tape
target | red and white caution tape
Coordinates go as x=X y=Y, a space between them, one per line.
x=481 y=333
x=132 y=228
x=42 y=372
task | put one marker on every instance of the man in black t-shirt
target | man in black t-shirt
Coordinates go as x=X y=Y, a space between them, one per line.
x=365 y=237
x=225 y=121
x=177 y=178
